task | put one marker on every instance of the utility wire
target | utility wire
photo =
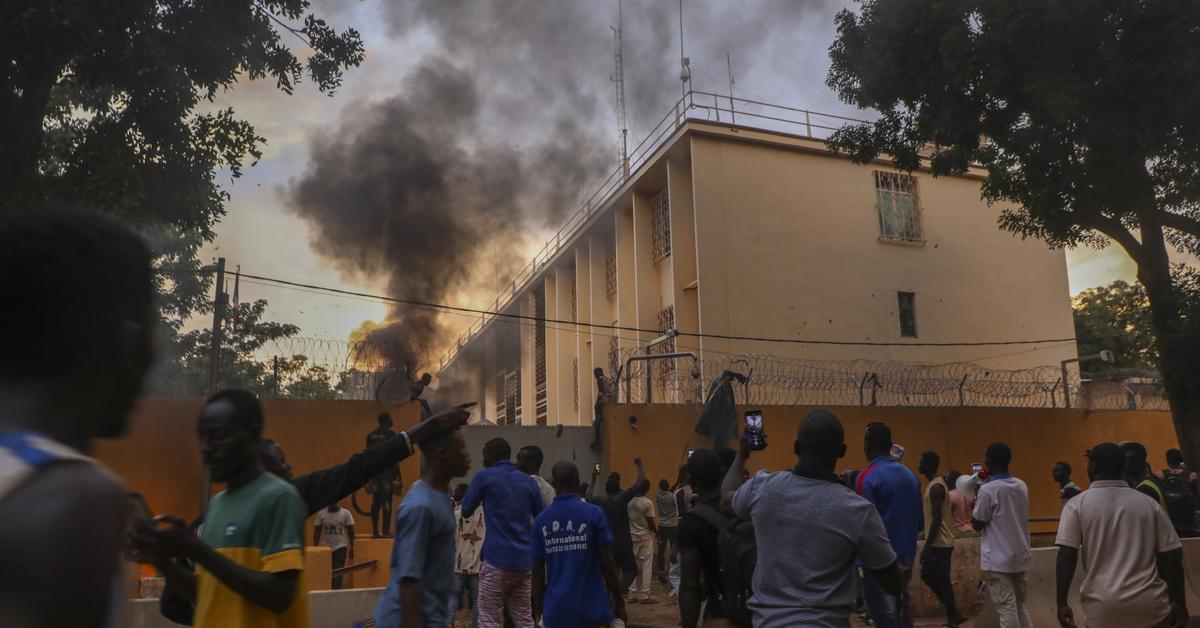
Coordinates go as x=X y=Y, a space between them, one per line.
x=519 y=317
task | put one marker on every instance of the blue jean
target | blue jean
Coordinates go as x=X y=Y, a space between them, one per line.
x=468 y=582
x=884 y=607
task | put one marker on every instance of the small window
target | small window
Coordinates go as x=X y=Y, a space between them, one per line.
x=899 y=206
x=660 y=225
x=908 y=314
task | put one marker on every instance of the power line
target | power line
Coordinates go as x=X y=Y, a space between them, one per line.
x=480 y=312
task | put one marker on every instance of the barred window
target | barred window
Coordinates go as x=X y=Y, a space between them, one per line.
x=660 y=225
x=666 y=323
x=908 y=314
x=899 y=206
x=610 y=271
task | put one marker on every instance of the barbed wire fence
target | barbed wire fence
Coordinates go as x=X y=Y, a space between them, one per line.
x=303 y=367
x=776 y=380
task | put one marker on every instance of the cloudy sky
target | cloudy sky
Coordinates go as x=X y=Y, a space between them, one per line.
x=458 y=104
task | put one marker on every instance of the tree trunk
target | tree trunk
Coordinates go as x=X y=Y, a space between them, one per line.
x=1176 y=339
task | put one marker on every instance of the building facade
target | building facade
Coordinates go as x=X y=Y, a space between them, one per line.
x=730 y=231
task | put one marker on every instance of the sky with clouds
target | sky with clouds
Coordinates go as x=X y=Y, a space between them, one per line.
x=537 y=70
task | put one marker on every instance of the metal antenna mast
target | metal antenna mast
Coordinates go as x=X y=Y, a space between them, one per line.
x=619 y=79
x=685 y=64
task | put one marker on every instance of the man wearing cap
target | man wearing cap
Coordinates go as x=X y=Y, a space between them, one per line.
x=1132 y=556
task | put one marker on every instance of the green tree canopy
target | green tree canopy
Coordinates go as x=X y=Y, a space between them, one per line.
x=107 y=106
x=1085 y=115
x=1116 y=317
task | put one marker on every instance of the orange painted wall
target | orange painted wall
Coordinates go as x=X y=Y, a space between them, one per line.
x=1038 y=437
x=160 y=457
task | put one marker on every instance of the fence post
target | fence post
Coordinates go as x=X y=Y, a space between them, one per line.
x=962 y=396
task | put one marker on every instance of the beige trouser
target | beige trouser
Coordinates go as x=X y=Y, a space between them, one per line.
x=643 y=553
x=1007 y=593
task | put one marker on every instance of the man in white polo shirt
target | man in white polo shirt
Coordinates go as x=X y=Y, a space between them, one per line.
x=1132 y=556
x=1001 y=516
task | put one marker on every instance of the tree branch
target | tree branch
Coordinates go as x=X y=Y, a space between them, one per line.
x=1113 y=228
x=1179 y=222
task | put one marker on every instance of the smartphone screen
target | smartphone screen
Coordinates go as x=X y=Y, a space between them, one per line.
x=754 y=430
x=690 y=452
x=976 y=468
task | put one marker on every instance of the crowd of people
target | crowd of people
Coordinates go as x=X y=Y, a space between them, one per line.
x=520 y=550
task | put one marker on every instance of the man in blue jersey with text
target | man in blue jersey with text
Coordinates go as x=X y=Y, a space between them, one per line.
x=575 y=579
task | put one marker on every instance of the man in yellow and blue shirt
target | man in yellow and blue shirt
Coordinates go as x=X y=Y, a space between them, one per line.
x=250 y=553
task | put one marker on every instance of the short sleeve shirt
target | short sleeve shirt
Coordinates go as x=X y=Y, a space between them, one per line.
x=568 y=535
x=896 y=493
x=423 y=550
x=668 y=510
x=641 y=512
x=510 y=500
x=809 y=529
x=335 y=527
x=1119 y=533
x=259 y=526
x=1003 y=503
x=545 y=489
x=468 y=542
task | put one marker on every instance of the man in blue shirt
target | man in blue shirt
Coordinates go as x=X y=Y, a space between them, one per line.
x=896 y=494
x=575 y=579
x=510 y=500
x=422 y=570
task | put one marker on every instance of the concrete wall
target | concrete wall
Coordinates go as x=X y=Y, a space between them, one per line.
x=160 y=457
x=326 y=609
x=572 y=444
x=1038 y=437
x=775 y=236
x=787 y=241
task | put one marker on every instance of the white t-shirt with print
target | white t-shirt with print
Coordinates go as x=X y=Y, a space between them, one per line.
x=335 y=527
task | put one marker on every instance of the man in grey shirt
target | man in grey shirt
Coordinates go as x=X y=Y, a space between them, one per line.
x=810 y=528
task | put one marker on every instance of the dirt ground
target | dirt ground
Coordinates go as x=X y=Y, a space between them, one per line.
x=663 y=612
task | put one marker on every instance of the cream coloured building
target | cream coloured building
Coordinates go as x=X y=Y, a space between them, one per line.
x=726 y=229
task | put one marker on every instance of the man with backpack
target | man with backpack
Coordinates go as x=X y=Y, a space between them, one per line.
x=699 y=557
x=1180 y=490
x=813 y=528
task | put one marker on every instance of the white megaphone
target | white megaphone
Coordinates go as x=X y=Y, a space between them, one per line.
x=966 y=484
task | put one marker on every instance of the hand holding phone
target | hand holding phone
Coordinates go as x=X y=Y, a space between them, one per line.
x=754 y=434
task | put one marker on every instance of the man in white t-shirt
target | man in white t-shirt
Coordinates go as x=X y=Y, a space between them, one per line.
x=1133 y=558
x=334 y=528
x=529 y=461
x=1001 y=516
x=642 y=529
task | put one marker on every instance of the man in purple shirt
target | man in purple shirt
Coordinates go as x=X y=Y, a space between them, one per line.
x=510 y=500
x=896 y=494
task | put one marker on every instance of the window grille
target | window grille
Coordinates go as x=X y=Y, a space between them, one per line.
x=610 y=271
x=899 y=206
x=666 y=323
x=575 y=380
x=660 y=225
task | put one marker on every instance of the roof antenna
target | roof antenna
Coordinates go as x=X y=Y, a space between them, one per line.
x=685 y=64
x=729 y=66
x=619 y=79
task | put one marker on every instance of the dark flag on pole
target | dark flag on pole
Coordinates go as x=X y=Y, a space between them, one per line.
x=719 y=420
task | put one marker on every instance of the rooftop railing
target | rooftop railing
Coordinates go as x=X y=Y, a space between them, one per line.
x=694 y=106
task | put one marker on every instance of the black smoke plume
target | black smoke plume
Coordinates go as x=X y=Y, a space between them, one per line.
x=495 y=138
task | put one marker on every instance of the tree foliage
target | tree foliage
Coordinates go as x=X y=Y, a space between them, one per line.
x=1116 y=317
x=1085 y=115
x=109 y=106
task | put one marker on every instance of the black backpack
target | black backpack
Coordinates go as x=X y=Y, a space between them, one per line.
x=1181 y=503
x=738 y=554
